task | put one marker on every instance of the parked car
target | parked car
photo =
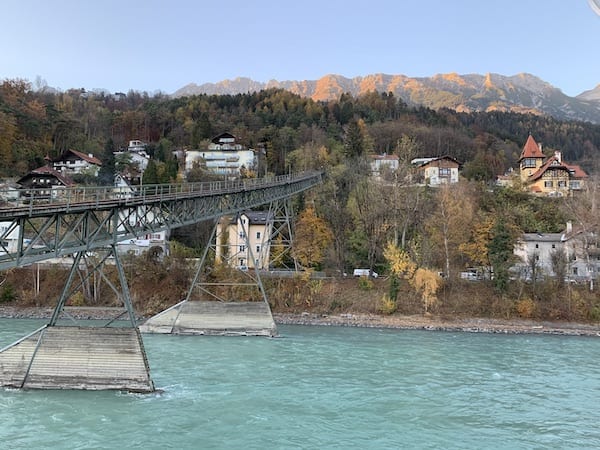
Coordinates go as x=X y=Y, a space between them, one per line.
x=365 y=273
x=471 y=274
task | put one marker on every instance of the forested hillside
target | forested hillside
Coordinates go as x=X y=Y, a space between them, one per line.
x=407 y=232
x=35 y=124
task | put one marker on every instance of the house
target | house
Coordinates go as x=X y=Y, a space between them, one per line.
x=137 y=146
x=549 y=176
x=133 y=162
x=436 y=171
x=243 y=240
x=72 y=162
x=44 y=182
x=381 y=163
x=581 y=250
x=9 y=237
x=223 y=156
x=122 y=187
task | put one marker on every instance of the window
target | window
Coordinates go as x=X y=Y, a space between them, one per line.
x=553 y=245
x=537 y=245
x=258 y=249
x=548 y=184
x=242 y=235
x=444 y=172
x=258 y=235
x=574 y=185
x=529 y=162
x=562 y=184
x=242 y=248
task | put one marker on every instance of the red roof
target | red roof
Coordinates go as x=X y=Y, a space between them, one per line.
x=574 y=171
x=89 y=158
x=531 y=149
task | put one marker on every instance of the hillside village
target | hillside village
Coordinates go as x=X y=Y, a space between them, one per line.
x=227 y=158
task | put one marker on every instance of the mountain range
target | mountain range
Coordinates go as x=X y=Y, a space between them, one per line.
x=524 y=93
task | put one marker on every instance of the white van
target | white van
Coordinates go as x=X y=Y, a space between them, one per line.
x=364 y=273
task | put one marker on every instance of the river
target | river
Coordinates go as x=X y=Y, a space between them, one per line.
x=328 y=388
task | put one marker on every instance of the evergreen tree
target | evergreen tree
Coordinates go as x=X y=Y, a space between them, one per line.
x=500 y=251
x=106 y=174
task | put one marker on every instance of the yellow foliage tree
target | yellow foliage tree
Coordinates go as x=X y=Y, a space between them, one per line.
x=424 y=281
x=476 y=248
x=311 y=239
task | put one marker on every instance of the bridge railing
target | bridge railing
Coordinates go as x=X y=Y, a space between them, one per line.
x=71 y=197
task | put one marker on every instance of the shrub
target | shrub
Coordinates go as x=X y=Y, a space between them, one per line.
x=8 y=293
x=365 y=283
x=525 y=308
x=386 y=305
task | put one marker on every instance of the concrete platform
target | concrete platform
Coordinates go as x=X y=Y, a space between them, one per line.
x=89 y=358
x=214 y=318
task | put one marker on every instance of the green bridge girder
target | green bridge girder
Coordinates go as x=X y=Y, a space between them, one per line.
x=84 y=219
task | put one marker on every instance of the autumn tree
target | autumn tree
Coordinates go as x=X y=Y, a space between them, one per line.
x=449 y=225
x=312 y=238
x=425 y=281
x=331 y=204
x=369 y=206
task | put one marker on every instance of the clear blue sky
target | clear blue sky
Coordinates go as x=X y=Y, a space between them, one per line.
x=152 y=45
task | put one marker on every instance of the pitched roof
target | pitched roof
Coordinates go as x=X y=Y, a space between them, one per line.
x=89 y=158
x=555 y=163
x=45 y=170
x=531 y=149
x=217 y=139
x=428 y=161
x=384 y=157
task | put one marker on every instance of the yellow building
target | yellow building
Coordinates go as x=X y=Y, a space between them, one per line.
x=243 y=240
x=548 y=175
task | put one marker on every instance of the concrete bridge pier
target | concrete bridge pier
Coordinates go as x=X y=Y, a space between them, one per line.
x=74 y=356
x=215 y=308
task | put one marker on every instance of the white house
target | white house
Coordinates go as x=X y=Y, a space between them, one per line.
x=9 y=237
x=436 y=171
x=223 y=156
x=243 y=240
x=137 y=161
x=72 y=162
x=383 y=162
x=581 y=250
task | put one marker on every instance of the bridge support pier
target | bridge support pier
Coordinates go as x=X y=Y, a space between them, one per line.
x=231 y=302
x=76 y=355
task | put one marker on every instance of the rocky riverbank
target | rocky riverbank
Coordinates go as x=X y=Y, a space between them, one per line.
x=415 y=322
x=472 y=325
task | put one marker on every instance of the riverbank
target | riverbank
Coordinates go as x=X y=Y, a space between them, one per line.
x=405 y=322
x=432 y=323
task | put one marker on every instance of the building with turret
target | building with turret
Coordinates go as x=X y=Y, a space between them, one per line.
x=549 y=176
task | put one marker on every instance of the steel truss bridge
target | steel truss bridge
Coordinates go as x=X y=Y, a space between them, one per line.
x=76 y=220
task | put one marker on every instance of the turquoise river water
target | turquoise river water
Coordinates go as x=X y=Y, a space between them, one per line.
x=328 y=388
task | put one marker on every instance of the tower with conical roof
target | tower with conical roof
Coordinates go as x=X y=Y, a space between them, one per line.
x=531 y=158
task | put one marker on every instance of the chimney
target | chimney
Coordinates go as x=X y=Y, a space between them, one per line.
x=540 y=147
x=569 y=227
x=558 y=156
